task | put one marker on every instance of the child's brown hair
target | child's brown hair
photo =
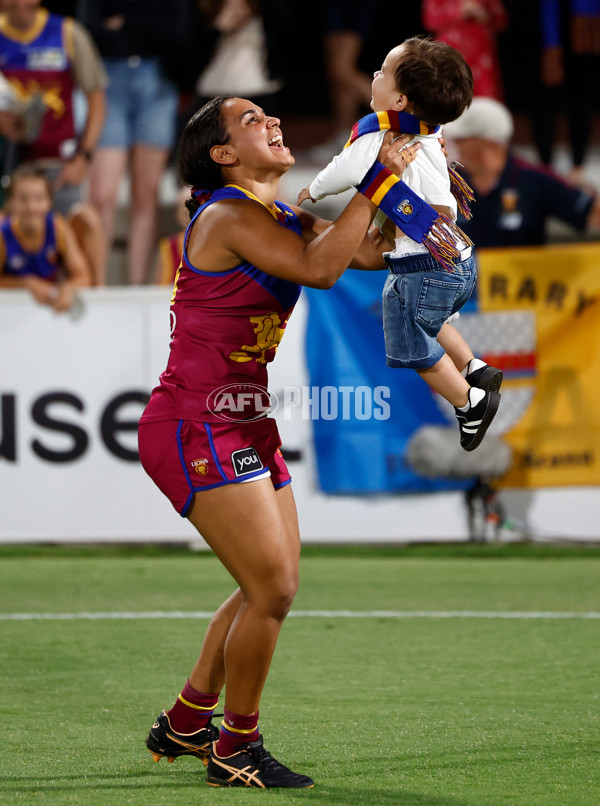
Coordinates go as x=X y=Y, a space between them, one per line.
x=435 y=78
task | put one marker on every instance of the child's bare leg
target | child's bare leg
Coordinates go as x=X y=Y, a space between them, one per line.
x=457 y=348
x=447 y=381
x=476 y=370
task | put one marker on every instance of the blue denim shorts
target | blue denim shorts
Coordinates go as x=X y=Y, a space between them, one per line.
x=141 y=104
x=418 y=297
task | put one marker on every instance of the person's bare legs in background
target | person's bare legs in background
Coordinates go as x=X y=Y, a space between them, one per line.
x=350 y=87
x=87 y=226
x=147 y=166
x=347 y=27
x=108 y=167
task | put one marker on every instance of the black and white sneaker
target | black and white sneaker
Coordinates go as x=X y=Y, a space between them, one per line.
x=476 y=421
x=252 y=766
x=164 y=742
x=487 y=378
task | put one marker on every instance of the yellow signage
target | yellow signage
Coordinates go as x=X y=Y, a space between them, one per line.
x=555 y=375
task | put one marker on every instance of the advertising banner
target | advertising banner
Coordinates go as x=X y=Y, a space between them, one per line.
x=368 y=410
x=71 y=393
x=72 y=389
x=536 y=316
x=552 y=372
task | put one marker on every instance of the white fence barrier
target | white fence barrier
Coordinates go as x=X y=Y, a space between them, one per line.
x=72 y=390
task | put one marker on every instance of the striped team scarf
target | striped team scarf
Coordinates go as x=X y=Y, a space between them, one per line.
x=405 y=123
x=400 y=122
x=426 y=226
x=413 y=215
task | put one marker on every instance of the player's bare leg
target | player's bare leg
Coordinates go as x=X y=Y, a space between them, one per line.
x=253 y=530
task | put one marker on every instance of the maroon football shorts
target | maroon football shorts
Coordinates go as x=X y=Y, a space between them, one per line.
x=184 y=457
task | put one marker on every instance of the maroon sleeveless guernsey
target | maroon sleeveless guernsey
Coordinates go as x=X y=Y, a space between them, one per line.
x=225 y=329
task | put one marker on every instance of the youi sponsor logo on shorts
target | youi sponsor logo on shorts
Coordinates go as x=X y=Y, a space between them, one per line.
x=245 y=461
x=250 y=402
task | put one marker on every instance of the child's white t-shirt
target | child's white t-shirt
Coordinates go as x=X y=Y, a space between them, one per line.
x=427 y=176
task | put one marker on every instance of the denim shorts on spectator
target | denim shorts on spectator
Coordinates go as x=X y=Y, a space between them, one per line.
x=141 y=104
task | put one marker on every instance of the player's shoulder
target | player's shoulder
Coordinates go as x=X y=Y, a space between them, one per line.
x=239 y=208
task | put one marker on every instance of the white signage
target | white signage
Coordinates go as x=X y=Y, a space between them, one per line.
x=71 y=394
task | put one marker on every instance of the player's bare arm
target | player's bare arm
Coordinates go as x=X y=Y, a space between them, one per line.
x=235 y=231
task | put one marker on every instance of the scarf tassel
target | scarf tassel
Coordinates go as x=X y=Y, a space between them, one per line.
x=441 y=240
x=461 y=191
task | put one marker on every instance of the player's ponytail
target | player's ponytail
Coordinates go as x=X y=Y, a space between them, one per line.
x=204 y=130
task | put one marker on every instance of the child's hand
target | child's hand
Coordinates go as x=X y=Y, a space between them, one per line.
x=303 y=196
x=442 y=142
x=397 y=153
x=64 y=298
x=43 y=291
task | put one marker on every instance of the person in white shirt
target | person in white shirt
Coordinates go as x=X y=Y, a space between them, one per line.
x=421 y=84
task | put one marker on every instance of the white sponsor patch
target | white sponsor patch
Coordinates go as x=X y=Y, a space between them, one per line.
x=245 y=461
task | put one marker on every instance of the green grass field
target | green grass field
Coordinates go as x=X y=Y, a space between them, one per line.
x=439 y=705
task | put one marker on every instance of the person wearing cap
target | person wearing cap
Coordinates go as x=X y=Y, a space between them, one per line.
x=514 y=199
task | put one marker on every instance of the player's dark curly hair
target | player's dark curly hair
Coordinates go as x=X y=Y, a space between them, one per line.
x=435 y=78
x=195 y=166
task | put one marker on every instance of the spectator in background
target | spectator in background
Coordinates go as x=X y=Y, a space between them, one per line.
x=243 y=44
x=471 y=26
x=566 y=78
x=45 y=58
x=138 y=42
x=12 y=128
x=170 y=248
x=514 y=200
x=347 y=26
x=38 y=249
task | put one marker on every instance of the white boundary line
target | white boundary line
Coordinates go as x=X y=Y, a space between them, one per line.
x=348 y=614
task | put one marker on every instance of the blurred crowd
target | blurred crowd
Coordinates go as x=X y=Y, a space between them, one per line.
x=94 y=94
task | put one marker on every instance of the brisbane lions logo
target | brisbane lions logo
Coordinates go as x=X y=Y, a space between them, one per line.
x=200 y=466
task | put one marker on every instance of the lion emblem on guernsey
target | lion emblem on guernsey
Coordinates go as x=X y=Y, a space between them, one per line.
x=269 y=331
x=200 y=466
